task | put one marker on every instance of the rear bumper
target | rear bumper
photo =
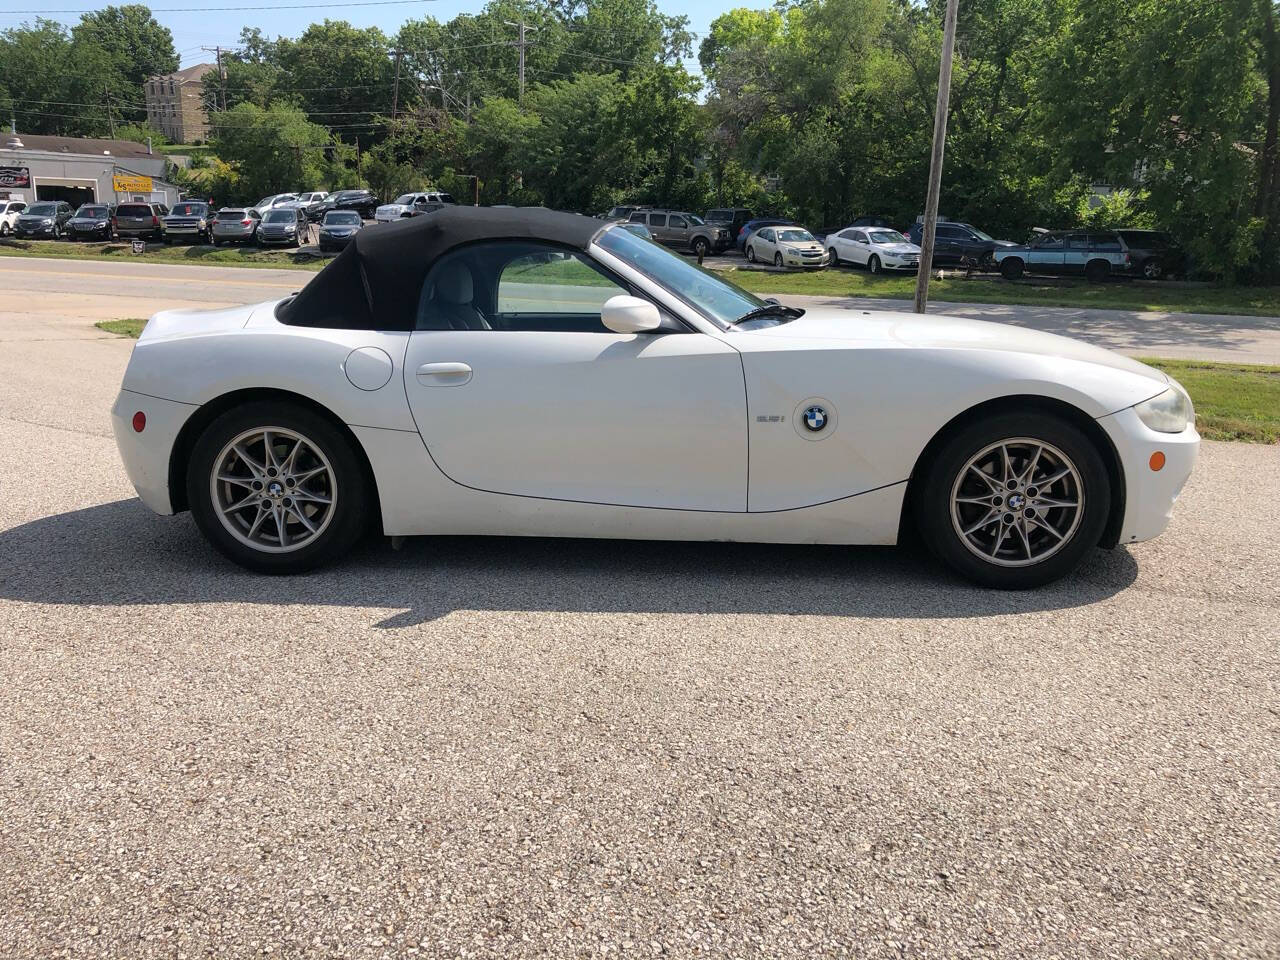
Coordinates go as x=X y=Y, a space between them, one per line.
x=146 y=455
x=139 y=231
x=1149 y=494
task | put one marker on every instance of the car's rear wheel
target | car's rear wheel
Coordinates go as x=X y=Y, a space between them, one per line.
x=1011 y=268
x=1014 y=500
x=1096 y=271
x=277 y=488
x=873 y=264
x=1153 y=269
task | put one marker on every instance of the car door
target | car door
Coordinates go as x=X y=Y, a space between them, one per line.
x=763 y=242
x=658 y=227
x=1075 y=254
x=861 y=248
x=948 y=243
x=517 y=388
x=1045 y=255
x=677 y=231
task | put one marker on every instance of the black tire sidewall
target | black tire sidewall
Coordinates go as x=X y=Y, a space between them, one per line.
x=933 y=498
x=352 y=509
x=1011 y=269
x=874 y=264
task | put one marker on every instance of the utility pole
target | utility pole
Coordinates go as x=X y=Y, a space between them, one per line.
x=111 y=119
x=935 y=160
x=222 y=76
x=395 y=89
x=521 y=44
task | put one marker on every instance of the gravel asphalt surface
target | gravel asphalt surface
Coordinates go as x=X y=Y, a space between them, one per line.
x=501 y=748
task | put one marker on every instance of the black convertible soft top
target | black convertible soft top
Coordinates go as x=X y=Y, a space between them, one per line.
x=375 y=282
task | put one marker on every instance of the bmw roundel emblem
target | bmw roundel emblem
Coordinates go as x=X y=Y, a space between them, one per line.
x=815 y=418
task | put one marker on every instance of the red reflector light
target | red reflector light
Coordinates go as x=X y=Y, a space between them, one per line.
x=139 y=421
x=245 y=222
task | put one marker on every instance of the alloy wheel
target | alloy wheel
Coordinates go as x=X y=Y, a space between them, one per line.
x=273 y=489
x=1017 y=502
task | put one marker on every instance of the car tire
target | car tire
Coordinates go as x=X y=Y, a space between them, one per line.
x=873 y=264
x=833 y=258
x=777 y=259
x=314 y=532
x=965 y=505
x=4 y=230
x=1097 y=271
x=700 y=248
x=1153 y=269
x=751 y=254
x=1011 y=268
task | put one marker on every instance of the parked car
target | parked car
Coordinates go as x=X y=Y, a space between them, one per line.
x=362 y=202
x=786 y=246
x=284 y=225
x=91 y=222
x=275 y=200
x=682 y=231
x=411 y=205
x=9 y=210
x=1093 y=254
x=623 y=211
x=44 y=218
x=1014 y=453
x=236 y=225
x=189 y=220
x=751 y=226
x=959 y=242
x=731 y=218
x=310 y=202
x=338 y=228
x=639 y=229
x=875 y=248
x=139 y=220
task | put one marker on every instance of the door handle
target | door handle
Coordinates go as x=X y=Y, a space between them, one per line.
x=452 y=374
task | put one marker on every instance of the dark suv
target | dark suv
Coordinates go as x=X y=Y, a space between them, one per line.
x=959 y=242
x=44 y=218
x=731 y=218
x=362 y=202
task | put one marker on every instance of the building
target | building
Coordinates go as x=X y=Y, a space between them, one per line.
x=81 y=170
x=174 y=106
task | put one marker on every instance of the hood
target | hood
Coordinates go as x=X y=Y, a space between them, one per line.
x=912 y=330
x=1005 y=243
x=900 y=246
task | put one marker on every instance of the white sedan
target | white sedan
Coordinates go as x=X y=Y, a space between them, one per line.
x=520 y=372
x=786 y=247
x=875 y=248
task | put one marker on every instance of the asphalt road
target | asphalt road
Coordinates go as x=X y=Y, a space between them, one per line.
x=136 y=289
x=498 y=748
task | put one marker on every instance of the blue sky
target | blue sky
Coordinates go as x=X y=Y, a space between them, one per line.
x=197 y=28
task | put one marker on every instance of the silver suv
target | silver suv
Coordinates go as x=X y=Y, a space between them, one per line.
x=683 y=230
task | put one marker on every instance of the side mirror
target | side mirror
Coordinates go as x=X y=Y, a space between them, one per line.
x=623 y=314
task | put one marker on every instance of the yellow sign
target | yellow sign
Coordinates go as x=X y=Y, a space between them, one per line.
x=131 y=183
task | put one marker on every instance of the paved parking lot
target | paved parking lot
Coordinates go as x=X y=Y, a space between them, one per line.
x=499 y=748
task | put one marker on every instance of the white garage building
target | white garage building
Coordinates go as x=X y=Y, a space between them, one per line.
x=81 y=170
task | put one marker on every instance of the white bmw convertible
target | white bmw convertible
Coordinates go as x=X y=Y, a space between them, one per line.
x=519 y=372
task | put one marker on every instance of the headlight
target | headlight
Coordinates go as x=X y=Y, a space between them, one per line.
x=290 y=227
x=1170 y=412
x=47 y=221
x=101 y=223
x=793 y=251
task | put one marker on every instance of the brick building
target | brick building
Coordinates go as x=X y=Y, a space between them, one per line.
x=174 y=106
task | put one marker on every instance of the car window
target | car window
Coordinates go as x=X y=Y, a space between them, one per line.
x=950 y=232
x=847 y=234
x=1104 y=242
x=677 y=222
x=133 y=210
x=91 y=210
x=1049 y=242
x=404 y=200
x=696 y=220
x=859 y=236
x=795 y=236
x=638 y=217
x=279 y=216
x=767 y=235
x=190 y=210
x=231 y=215
x=657 y=219
x=516 y=285
x=1078 y=241
x=343 y=217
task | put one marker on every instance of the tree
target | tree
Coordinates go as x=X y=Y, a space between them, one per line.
x=273 y=150
x=134 y=45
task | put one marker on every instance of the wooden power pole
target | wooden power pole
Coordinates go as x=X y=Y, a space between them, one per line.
x=521 y=44
x=935 y=159
x=395 y=88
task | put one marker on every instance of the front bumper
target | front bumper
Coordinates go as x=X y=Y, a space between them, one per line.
x=22 y=232
x=267 y=239
x=146 y=454
x=183 y=231
x=812 y=261
x=1149 y=494
x=900 y=263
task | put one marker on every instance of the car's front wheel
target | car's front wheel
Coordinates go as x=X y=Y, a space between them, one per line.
x=277 y=488
x=833 y=258
x=777 y=259
x=751 y=254
x=1014 y=500
x=873 y=264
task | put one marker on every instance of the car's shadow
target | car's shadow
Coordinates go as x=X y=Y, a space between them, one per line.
x=120 y=553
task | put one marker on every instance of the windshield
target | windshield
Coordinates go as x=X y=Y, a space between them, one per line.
x=709 y=294
x=91 y=211
x=693 y=218
x=404 y=200
x=43 y=209
x=348 y=217
x=887 y=236
x=280 y=216
x=795 y=236
x=189 y=210
x=979 y=234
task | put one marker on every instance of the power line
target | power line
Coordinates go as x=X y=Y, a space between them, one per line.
x=294 y=6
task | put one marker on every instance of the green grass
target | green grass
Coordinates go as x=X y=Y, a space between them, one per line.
x=1233 y=401
x=191 y=255
x=1116 y=295
x=130 y=327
